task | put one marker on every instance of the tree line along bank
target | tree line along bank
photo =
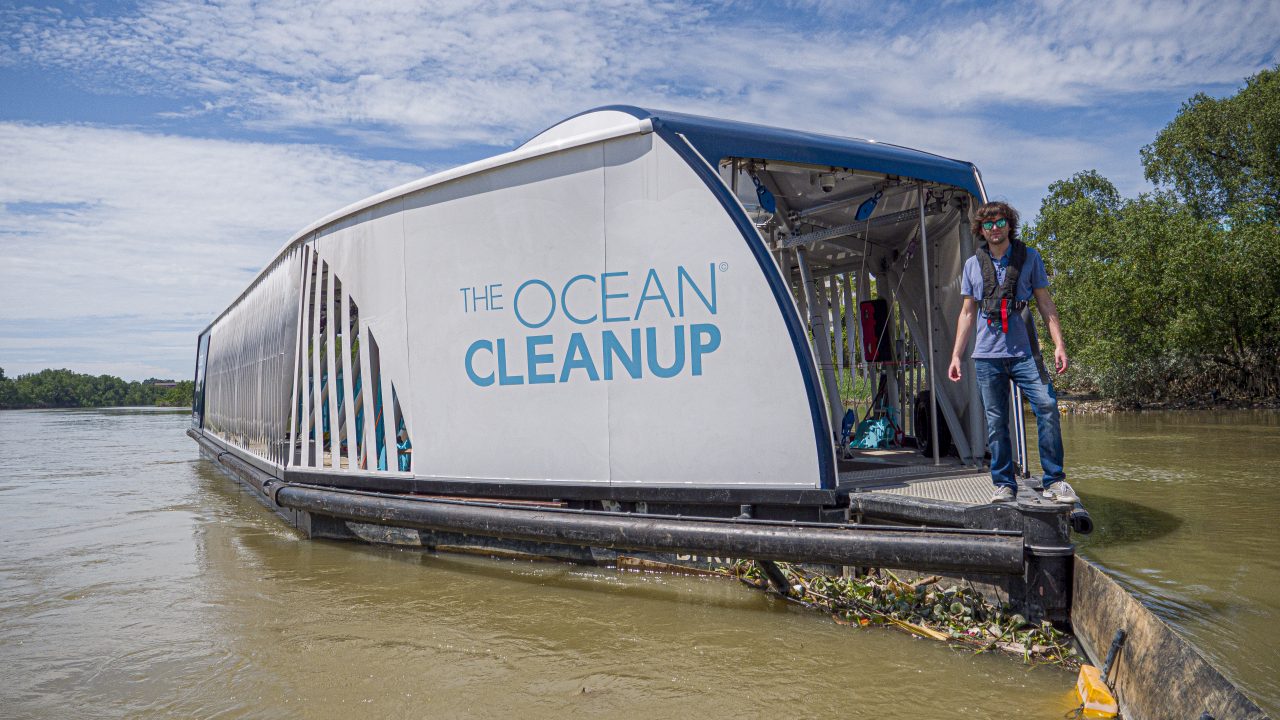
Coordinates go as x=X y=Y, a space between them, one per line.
x=67 y=389
x=1174 y=296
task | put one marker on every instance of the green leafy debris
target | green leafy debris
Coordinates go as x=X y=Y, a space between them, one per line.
x=959 y=616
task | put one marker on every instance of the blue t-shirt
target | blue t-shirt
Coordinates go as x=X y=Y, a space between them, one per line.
x=992 y=342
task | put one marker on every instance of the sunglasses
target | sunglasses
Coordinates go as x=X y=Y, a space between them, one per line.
x=997 y=224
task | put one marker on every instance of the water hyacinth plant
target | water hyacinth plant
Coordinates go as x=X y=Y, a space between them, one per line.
x=957 y=615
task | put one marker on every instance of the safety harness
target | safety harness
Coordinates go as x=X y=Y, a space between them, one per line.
x=999 y=300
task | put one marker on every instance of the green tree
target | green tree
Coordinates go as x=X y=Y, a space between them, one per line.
x=67 y=389
x=1229 y=319
x=1158 y=303
x=1220 y=155
x=8 y=391
x=1110 y=260
x=1177 y=292
x=178 y=396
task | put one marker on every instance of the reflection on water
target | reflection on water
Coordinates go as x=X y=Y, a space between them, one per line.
x=1119 y=521
x=136 y=580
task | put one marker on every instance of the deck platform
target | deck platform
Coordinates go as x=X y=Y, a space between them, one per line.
x=907 y=473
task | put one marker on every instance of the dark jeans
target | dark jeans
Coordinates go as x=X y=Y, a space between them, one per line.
x=993 y=375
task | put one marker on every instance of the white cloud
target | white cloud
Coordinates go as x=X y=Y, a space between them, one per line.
x=494 y=71
x=106 y=223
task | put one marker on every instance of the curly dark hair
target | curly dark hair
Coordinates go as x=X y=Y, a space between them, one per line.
x=993 y=211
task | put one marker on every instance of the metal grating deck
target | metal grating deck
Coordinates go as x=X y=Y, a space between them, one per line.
x=896 y=473
x=964 y=489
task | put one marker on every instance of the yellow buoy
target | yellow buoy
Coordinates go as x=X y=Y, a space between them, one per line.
x=1095 y=697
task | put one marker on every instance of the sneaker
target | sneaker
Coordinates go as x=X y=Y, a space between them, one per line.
x=1061 y=492
x=1003 y=494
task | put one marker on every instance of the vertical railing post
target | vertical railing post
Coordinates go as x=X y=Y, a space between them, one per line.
x=822 y=341
x=928 y=304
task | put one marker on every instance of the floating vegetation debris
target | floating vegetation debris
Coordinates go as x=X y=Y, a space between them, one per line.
x=959 y=616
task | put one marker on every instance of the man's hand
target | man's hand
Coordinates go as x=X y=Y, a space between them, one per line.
x=964 y=328
x=1059 y=359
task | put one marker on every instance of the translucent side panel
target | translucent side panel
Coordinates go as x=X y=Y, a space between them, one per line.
x=250 y=355
x=295 y=371
x=202 y=363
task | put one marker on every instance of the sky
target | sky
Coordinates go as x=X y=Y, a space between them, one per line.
x=154 y=155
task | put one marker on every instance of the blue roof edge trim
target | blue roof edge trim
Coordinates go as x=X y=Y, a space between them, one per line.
x=799 y=337
x=717 y=139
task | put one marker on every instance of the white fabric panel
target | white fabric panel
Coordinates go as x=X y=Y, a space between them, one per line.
x=946 y=257
x=488 y=234
x=969 y=402
x=441 y=278
x=388 y=416
x=833 y=297
x=746 y=419
x=800 y=296
x=850 y=336
x=366 y=397
x=347 y=387
x=367 y=253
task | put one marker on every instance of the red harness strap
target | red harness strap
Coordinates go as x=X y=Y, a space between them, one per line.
x=1004 y=315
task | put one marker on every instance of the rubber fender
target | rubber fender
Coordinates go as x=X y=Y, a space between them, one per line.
x=1081 y=522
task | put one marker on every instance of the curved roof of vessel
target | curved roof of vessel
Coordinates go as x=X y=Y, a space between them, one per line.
x=715 y=139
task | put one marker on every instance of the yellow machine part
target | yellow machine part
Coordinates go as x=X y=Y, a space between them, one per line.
x=1095 y=696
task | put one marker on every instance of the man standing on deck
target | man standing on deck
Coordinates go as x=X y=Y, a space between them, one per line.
x=997 y=283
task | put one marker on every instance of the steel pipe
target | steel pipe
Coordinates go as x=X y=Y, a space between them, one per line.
x=997 y=553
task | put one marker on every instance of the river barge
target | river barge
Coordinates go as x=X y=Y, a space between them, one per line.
x=639 y=332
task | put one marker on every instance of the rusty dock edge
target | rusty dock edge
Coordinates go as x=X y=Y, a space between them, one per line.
x=1157 y=674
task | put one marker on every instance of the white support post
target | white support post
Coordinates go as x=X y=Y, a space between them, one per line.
x=833 y=298
x=317 y=420
x=820 y=336
x=928 y=316
x=330 y=326
x=388 y=415
x=850 y=333
x=349 y=400
x=369 y=448
x=819 y=310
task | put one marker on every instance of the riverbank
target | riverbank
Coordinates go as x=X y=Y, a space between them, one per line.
x=1084 y=405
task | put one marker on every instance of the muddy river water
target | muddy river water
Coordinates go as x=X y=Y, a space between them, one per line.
x=138 y=581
